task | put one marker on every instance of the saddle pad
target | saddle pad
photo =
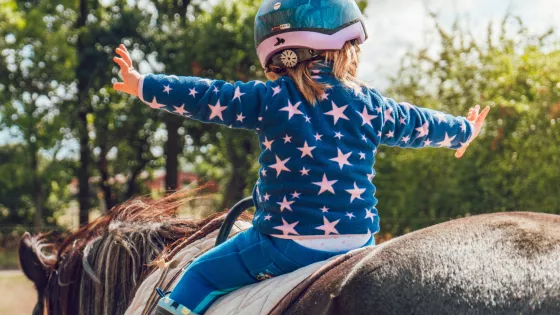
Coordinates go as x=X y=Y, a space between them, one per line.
x=258 y=298
x=261 y=297
x=163 y=276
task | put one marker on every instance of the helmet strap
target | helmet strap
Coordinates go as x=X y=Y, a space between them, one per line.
x=289 y=58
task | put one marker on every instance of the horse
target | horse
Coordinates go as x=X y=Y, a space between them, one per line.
x=498 y=263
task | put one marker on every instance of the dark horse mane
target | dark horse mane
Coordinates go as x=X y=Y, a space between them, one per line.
x=112 y=255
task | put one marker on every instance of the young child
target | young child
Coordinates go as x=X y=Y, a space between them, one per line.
x=319 y=130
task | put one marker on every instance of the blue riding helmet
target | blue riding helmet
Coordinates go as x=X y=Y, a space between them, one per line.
x=315 y=25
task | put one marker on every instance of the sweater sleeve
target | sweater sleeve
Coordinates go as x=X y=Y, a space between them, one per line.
x=237 y=105
x=409 y=126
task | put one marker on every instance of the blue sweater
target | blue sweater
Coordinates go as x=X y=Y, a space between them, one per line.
x=316 y=161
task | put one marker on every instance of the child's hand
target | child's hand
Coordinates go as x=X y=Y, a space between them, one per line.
x=130 y=76
x=477 y=120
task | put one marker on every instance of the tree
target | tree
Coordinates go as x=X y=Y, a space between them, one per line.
x=517 y=75
x=32 y=90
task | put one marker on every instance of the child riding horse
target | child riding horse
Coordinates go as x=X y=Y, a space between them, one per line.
x=319 y=129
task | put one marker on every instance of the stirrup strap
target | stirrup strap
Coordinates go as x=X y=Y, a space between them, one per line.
x=161 y=293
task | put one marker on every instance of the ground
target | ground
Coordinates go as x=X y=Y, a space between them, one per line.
x=18 y=296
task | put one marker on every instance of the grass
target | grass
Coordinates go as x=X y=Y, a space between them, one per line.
x=8 y=259
x=18 y=295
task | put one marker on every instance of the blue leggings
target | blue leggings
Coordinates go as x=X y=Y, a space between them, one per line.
x=248 y=257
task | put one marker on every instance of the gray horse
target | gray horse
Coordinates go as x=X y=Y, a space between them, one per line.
x=502 y=263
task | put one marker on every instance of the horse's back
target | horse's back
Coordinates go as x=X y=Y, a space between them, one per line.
x=504 y=263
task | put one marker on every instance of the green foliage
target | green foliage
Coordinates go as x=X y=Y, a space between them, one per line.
x=513 y=165
x=32 y=86
x=225 y=50
x=217 y=44
x=53 y=70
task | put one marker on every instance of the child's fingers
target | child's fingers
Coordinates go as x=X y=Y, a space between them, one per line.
x=123 y=47
x=459 y=153
x=124 y=56
x=121 y=63
x=471 y=115
x=119 y=86
x=483 y=115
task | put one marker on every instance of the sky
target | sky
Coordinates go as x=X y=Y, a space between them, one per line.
x=398 y=26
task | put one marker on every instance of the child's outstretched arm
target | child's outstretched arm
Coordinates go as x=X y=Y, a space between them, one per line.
x=409 y=126
x=235 y=105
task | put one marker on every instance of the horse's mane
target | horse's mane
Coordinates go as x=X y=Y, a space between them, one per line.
x=99 y=267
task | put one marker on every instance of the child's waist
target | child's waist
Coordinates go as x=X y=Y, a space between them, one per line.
x=331 y=243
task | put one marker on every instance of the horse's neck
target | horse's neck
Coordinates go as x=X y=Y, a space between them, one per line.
x=168 y=276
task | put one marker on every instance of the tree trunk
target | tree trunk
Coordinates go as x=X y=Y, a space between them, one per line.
x=172 y=149
x=132 y=186
x=83 y=169
x=237 y=150
x=173 y=145
x=104 y=171
x=37 y=190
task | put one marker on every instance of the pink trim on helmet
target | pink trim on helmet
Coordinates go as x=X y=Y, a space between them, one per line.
x=311 y=40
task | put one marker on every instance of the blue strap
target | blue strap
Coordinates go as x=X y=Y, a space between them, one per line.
x=161 y=293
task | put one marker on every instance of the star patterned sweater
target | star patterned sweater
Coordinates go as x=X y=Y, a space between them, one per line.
x=316 y=161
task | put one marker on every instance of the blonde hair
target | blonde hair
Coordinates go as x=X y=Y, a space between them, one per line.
x=344 y=68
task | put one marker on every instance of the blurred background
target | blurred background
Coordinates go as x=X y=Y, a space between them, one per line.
x=71 y=147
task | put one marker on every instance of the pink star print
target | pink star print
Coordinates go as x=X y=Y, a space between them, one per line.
x=237 y=94
x=366 y=117
x=180 y=110
x=276 y=90
x=337 y=112
x=292 y=109
x=287 y=228
x=440 y=117
x=405 y=139
x=447 y=141
x=388 y=115
x=306 y=150
x=356 y=192
x=422 y=131
x=192 y=92
x=155 y=105
x=328 y=227
x=370 y=215
x=304 y=171
x=240 y=117
x=342 y=159
x=285 y=205
x=267 y=144
x=326 y=185
x=280 y=166
x=217 y=110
